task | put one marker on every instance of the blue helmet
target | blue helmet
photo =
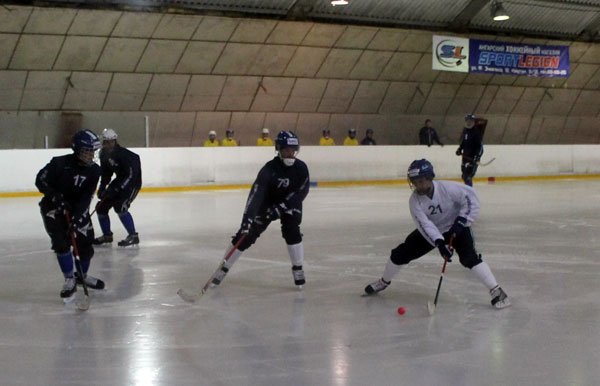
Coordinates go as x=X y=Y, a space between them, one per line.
x=420 y=168
x=287 y=139
x=85 y=140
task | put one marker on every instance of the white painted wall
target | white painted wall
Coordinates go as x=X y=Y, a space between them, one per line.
x=200 y=166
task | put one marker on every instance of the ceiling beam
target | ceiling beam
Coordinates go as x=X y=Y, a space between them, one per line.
x=301 y=9
x=591 y=32
x=462 y=20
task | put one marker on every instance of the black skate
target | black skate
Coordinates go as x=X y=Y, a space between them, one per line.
x=132 y=239
x=69 y=288
x=104 y=239
x=298 y=274
x=376 y=286
x=90 y=281
x=499 y=297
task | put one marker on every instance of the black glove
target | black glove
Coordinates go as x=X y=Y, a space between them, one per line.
x=79 y=223
x=110 y=192
x=459 y=151
x=60 y=203
x=246 y=225
x=445 y=250
x=459 y=225
x=277 y=210
x=101 y=192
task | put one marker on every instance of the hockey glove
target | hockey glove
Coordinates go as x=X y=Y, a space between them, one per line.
x=246 y=225
x=277 y=210
x=459 y=151
x=61 y=204
x=101 y=192
x=458 y=227
x=80 y=223
x=445 y=250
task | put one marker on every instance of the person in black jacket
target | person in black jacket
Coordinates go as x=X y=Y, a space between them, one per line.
x=277 y=193
x=368 y=139
x=470 y=148
x=121 y=191
x=68 y=183
x=428 y=135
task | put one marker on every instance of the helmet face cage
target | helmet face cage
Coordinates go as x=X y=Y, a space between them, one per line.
x=417 y=169
x=85 y=141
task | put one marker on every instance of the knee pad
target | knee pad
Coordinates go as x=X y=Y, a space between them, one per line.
x=121 y=212
x=399 y=256
x=291 y=234
x=469 y=260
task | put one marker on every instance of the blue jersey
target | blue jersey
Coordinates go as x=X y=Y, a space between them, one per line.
x=126 y=167
x=66 y=175
x=277 y=183
x=471 y=143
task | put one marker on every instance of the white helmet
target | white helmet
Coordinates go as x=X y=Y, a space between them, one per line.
x=108 y=135
x=212 y=132
x=265 y=131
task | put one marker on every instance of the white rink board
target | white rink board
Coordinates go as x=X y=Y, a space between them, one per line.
x=189 y=166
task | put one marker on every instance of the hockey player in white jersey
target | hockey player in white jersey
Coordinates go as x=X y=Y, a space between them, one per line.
x=443 y=212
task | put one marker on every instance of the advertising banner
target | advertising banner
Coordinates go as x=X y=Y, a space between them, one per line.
x=499 y=58
x=492 y=57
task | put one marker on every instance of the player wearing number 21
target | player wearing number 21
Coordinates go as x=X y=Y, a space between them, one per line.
x=277 y=193
x=443 y=212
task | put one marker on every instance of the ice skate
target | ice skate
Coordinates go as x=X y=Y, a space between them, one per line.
x=220 y=275
x=90 y=281
x=298 y=274
x=131 y=240
x=499 y=297
x=68 y=290
x=104 y=239
x=376 y=286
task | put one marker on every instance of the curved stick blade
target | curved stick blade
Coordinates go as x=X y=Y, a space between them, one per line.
x=188 y=297
x=85 y=304
x=431 y=308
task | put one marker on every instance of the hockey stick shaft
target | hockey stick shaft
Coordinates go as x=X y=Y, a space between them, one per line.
x=486 y=163
x=86 y=304
x=192 y=298
x=432 y=306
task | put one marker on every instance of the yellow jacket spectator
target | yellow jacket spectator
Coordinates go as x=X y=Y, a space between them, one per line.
x=264 y=139
x=228 y=140
x=326 y=140
x=212 y=139
x=351 y=138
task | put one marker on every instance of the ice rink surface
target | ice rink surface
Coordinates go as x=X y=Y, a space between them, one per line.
x=541 y=240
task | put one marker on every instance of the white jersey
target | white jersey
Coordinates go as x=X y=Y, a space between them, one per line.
x=434 y=216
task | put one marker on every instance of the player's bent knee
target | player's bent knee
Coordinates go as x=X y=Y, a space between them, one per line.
x=470 y=260
x=399 y=256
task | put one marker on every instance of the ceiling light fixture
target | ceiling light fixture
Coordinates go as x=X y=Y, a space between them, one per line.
x=339 y=2
x=498 y=11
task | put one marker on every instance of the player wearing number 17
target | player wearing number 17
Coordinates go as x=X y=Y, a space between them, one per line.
x=68 y=183
x=443 y=212
x=277 y=193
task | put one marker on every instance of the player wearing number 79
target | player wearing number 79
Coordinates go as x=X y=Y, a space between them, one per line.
x=443 y=212
x=277 y=193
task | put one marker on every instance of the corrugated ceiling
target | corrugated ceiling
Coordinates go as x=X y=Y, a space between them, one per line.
x=568 y=19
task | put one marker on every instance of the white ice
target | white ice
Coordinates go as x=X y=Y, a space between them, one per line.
x=541 y=240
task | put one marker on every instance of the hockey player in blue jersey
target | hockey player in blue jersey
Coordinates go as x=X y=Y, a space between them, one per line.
x=470 y=149
x=443 y=212
x=277 y=193
x=121 y=191
x=68 y=183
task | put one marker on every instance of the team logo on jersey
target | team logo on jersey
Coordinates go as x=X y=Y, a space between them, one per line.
x=450 y=54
